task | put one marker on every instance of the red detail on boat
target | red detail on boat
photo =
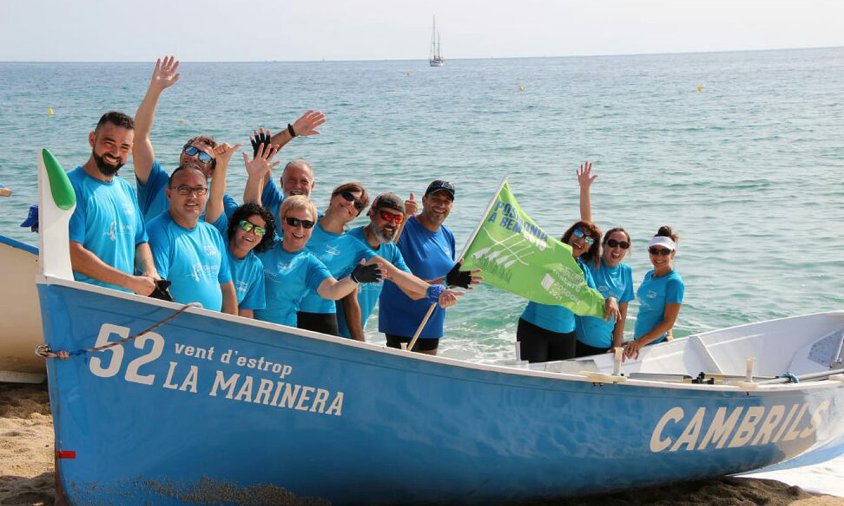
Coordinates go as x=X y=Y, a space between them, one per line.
x=65 y=454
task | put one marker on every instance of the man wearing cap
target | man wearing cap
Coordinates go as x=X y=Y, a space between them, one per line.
x=385 y=217
x=198 y=152
x=5 y=192
x=108 y=241
x=428 y=249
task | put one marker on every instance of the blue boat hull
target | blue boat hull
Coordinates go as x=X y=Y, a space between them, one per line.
x=209 y=408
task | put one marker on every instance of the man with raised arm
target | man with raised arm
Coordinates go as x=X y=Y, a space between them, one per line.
x=108 y=241
x=386 y=215
x=197 y=152
x=189 y=252
x=297 y=178
x=428 y=248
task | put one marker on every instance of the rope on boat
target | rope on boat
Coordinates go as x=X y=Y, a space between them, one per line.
x=44 y=351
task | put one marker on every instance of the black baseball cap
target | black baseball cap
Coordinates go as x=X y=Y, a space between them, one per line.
x=440 y=185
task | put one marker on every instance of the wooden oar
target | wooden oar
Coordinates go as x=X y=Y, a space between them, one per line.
x=421 y=326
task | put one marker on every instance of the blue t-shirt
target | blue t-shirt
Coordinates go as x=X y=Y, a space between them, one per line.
x=152 y=197
x=288 y=277
x=247 y=272
x=368 y=293
x=248 y=277
x=654 y=294
x=611 y=282
x=193 y=260
x=555 y=318
x=107 y=222
x=429 y=255
x=340 y=253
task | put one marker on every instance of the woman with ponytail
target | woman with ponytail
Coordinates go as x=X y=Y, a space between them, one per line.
x=660 y=294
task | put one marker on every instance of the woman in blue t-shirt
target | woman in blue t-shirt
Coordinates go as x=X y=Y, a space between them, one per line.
x=612 y=278
x=251 y=229
x=546 y=332
x=660 y=294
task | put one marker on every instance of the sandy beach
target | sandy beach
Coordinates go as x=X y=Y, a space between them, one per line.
x=26 y=467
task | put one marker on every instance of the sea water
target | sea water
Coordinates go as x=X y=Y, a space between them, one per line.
x=742 y=153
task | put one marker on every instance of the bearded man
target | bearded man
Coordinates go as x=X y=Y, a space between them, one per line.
x=108 y=241
x=385 y=217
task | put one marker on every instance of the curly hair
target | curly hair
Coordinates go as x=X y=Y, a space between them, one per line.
x=251 y=209
x=204 y=139
x=593 y=254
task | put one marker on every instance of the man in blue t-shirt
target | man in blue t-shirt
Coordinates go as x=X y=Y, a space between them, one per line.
x=189 y=252
x=198 y=152
x=385 y=217
x=428 y=249
x=108 y=241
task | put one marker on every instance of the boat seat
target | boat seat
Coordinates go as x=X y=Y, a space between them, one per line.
x=825 y=353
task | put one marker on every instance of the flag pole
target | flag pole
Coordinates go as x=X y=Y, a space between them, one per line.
x=483 y=216
x=421 y=326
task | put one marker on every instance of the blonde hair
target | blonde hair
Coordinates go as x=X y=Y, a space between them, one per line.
x=296 y=202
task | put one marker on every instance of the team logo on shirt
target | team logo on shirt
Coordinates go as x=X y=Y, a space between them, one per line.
x=211 y=250
x=332 y=251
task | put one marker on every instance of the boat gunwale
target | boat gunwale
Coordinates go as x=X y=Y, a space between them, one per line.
x=587 y=377
x=18 y=244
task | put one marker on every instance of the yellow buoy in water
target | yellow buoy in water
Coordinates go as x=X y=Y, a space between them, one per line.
x=182 y=121
x=699 y=87
x=521 y=88
x=407 y=73
x=50 y=111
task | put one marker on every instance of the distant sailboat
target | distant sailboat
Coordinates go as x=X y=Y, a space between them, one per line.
x=436 y=59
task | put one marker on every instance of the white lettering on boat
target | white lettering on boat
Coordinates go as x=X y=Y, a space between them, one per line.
x=284 y=395
x=735 y=427
x=185 y=377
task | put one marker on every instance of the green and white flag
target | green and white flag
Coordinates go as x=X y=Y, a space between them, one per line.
x=516 y=255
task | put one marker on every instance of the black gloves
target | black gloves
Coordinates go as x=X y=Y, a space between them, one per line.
x=161 y=290
x=258 y=139
x=456 y=277
x=366 y=274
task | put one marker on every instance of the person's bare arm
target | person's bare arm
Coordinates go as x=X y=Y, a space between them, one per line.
x=354 y=318
x=229 y=298
x=85 y=262
x=165 y=75
x=306 y=125
x=256 y=169
x=214 y=208
x=585 y=179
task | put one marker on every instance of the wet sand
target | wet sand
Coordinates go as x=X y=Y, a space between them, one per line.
x=26 y=467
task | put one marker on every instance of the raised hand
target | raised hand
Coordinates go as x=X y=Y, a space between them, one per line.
x=223 y=152
x=308 y=123
x=260 y=137
x=410 y=206
x=584 y=175
x=263 y=163
x=165 y=74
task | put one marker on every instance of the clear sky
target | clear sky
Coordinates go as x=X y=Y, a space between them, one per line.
x=289 y=30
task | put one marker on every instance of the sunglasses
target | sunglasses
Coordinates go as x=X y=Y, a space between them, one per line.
x=248 y=226
x=295 y=222
x=351 y=198
x=582 y=235
x=390 y=217
x=202 y=155
x=184 y=189
x=612 y=243
x=659 y=251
